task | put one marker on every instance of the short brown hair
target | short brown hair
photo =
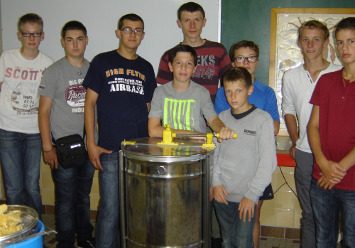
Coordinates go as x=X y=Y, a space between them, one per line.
x=131 y=17
x=243 y=43
x=73 y=25
x=238 y=74
x=314 y=24
x=190 y=7
x=182 y=48
x=347 y=23
x=29 y=18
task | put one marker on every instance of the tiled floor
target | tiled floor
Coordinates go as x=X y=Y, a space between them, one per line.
x=278 y=243
x=49 y=240
x=265 y=242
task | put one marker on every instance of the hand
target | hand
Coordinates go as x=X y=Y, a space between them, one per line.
x=292 y=151
x=50 y=158
x=246 y=207
x=225 y=133
x=325 y=183
x=219 y=192
x=332 y=171
x=94 y=152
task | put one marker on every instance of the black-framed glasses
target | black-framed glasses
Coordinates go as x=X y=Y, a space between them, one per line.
x=35 y=34
x=242 y=59
x=129 y=30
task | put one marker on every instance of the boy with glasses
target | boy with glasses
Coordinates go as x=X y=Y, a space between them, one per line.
x=246 y=54
x=20 y=142
x=212 y=60
x=297 y=89
x=120 y=84
x=61 y=113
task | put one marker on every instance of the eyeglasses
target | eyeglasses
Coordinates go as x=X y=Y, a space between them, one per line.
x=129 y=30
x=27 y=34
x=241 y=59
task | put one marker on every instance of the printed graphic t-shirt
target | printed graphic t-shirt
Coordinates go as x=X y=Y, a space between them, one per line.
x=124 y=88
x=19 y=91
x=182 y=110
x=62 y=83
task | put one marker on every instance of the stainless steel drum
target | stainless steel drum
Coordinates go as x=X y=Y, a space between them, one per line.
x=164 y=194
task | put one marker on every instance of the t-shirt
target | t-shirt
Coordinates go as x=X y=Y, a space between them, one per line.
x=182 y=110
x=62 y=83
x=297 y=89
x=263 y=97
x=336 y=100
x=212 y=62
x=124 y=88
x=19 y=92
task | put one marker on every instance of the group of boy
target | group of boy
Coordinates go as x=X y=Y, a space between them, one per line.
x=74 y=90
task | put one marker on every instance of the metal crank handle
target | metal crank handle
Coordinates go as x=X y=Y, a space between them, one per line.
x=190 y=135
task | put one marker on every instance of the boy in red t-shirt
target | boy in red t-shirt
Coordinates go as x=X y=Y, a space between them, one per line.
x=331 y=135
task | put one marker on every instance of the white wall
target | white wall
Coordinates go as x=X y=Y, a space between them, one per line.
x=100 y=18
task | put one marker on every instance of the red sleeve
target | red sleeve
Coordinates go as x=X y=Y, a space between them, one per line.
x=225 y=64
x=164 y=74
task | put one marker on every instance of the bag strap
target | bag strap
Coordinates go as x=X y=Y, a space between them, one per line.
x=84 y=133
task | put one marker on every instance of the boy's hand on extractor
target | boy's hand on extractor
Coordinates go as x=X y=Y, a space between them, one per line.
x=246 y=208
x=219 y=192
x=225 y=133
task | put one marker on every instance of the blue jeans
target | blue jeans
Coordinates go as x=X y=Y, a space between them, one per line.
x=107 y=221
x=235 y=232
x=20 y=155
x=72 y=203
x=326 y=206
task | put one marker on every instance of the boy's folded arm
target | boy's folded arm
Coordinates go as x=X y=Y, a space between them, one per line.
x=349 y=160
x=333 y=171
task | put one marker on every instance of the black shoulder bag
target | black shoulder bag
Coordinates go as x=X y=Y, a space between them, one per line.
x=71 y=151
